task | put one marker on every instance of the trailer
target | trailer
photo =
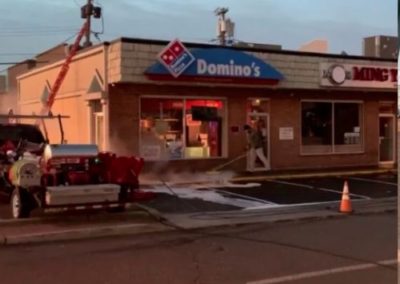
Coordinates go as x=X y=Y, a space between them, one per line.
x=37 y=174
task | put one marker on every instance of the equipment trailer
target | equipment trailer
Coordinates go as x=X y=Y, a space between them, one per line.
x=37 y=174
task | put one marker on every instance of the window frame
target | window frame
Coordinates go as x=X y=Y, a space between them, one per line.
x=333 y=151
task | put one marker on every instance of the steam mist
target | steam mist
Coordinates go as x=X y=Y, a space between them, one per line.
x=174 y=177
x=160 y=171
x=119 y=147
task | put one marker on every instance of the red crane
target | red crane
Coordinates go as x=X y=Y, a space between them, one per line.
x=63 y=72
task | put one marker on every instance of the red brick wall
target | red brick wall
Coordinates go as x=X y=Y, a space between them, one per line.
x=124 y=120
x=284 y=112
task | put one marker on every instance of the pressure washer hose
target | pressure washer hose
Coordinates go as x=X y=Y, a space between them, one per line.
x=229 y=162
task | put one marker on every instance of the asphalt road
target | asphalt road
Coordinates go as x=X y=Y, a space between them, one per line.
x=344 y=250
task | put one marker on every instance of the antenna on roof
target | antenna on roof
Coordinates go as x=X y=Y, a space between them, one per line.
x=225 y=27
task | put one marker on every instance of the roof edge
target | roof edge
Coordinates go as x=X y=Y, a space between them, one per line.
x=288 y=52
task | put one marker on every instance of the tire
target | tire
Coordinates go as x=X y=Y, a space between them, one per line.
x=19 y=204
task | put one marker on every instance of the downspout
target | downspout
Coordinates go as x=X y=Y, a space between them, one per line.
x=106 y=100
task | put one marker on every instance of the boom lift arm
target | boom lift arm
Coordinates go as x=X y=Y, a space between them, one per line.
x=63 y=72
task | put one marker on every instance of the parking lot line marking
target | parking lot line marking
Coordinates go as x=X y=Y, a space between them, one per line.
x=319 y=188
x=285 y=205
x=375 y=181
x=306 y=275
x=244 y=196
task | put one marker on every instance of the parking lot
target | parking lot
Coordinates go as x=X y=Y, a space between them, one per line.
x=271 y=193
x=205 y=197
x=294 y=191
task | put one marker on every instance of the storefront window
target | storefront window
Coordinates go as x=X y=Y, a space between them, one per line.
x=347 y=127
x=322 y=121
x=161 y=129
x=317 y=126
x=181 y=128
x=203 y=128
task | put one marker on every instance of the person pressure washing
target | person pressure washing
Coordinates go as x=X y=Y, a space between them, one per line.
x=255 y=147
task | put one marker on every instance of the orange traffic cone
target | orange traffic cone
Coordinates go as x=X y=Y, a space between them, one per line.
x=345 y=204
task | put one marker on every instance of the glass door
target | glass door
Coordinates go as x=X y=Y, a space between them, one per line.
x=386 y=139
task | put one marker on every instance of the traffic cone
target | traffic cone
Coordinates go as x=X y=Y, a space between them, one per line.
x=345 y=204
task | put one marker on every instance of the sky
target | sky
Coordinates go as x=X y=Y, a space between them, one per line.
x=28 y=27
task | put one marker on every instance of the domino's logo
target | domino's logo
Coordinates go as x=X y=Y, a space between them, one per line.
x=176 y=58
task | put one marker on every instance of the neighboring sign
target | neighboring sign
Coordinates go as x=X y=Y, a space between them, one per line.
x=351 y=75
x=286 y=133
x=212 y=65
x=175 y=57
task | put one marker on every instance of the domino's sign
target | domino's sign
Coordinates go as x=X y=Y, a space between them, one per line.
x=214 y=64
x=228 y=69
x=176 y=58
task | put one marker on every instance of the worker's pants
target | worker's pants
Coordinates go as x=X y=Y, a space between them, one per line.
x=253 y=154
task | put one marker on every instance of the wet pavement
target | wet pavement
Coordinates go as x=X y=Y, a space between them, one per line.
x=287 y=192
x=270 y=194
x=167 y=203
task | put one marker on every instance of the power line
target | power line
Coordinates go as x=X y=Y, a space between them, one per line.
x=33 y=28
x=15 y=54
x=70 y=37
x=32 y=35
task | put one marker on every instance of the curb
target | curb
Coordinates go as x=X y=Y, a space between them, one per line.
x=310 y=175
x=134 y=212
x=287 y=176
x=82 y=234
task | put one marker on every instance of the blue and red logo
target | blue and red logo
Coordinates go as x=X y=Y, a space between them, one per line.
x=212 y=64
x=176 y=58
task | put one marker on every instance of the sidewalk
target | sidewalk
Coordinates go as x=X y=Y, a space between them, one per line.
x=280 y=214
x=292 y=174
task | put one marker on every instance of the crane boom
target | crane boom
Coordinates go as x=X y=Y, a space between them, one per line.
x=63 y=72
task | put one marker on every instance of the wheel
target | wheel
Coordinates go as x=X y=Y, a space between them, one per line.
x=20 y=207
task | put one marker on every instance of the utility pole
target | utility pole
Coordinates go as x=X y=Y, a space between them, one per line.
x=86 y=13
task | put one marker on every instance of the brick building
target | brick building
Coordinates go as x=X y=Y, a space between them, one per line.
x=381 y=46
x=316 y=110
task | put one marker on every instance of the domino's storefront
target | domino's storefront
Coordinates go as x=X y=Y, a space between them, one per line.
x=194 y=122
x=183 y=106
